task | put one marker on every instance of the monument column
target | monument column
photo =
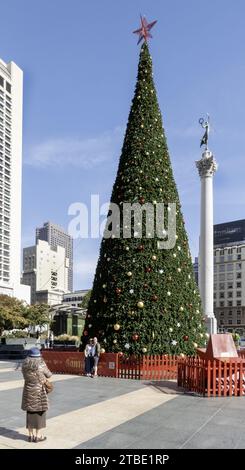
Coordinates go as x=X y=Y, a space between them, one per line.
x=207 y=166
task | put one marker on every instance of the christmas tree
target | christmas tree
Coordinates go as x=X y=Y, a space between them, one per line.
x=145 y=299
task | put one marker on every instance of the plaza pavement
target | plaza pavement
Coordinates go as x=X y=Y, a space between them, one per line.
x=107 y=413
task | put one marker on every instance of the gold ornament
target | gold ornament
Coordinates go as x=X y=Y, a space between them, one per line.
x=117 y=327
x=181 y=309
x=102 y=350
x=140 y=304
x=129 y=274
x=182 y=355
x=115 y=341
x=154 y=257
x=195 y=345
x=144 y=350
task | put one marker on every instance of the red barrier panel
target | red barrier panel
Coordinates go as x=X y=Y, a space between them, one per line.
x=62 y=362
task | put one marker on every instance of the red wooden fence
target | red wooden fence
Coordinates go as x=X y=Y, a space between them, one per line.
x=155 y=367
x=63 y=362
x=115 y=365
x=212 y=377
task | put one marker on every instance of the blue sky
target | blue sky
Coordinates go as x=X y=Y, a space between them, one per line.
x=80 y=62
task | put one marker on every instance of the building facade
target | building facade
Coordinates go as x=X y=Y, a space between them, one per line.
x=46 y=271
x=57 y=236
x=229 y=276
x=75 y=298
x=11 y=98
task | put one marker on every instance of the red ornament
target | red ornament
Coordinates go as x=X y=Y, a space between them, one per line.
x=154 y=297
x=135 y=337
x=148 y=270
x=185 y=338
x=141 y=200
x=120 y=353
x=88 y=316
x=118 y=291
x=145 y=286
x=140 y=248
x=85 y=333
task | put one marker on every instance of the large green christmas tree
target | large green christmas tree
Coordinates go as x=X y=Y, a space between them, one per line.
x=145 y=300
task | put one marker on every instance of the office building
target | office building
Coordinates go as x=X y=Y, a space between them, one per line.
x=46 y=271
x=229 y=275
x=57 y=236
x=11 y=98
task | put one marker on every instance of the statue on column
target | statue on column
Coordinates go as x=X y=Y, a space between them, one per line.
x=205 y=125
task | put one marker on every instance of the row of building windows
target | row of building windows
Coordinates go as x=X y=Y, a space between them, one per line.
x=228 y=251
x=7 y=84
x=230 y=303
x=229 y=294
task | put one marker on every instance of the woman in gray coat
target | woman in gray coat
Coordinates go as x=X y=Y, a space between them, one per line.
x=34 y=398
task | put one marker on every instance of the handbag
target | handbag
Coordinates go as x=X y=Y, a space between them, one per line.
x=48 y=386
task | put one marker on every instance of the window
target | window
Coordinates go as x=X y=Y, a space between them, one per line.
x=239 y=256
x=221 y=295
x=238 y=275
x=230 y=321
x=221 y=268
x=222 y=303
x=238 y=313
x=230 y=303
x=215 y=269
x=222 y=259
x=222 y=252
x=215 y=287
x=1 y=81
x=238 y=266
x=222 y=286
x=239 y=250
x=238 y=321
x=230 y=285
x=239 y=303
x=221 y=314
x=230 y=295
x=215 y=295
x=222 y=277
x=239 y=284
x=230 y=312
x=239 y=294
x=229 y=267
x=229 y=258
x=8 y=87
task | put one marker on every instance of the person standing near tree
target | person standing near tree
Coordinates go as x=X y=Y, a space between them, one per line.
x=51 y=339
x=88 y=356
x=96 y=355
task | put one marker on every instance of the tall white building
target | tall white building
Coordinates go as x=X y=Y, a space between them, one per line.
x=46 y=271
x=11 y=97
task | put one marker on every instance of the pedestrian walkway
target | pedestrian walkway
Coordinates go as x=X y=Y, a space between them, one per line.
x=106 y=413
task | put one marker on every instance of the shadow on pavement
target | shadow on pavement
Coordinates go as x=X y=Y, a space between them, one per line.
x=12 y=434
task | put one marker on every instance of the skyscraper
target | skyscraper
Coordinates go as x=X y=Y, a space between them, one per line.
x=11 y=97
x=57 y=236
